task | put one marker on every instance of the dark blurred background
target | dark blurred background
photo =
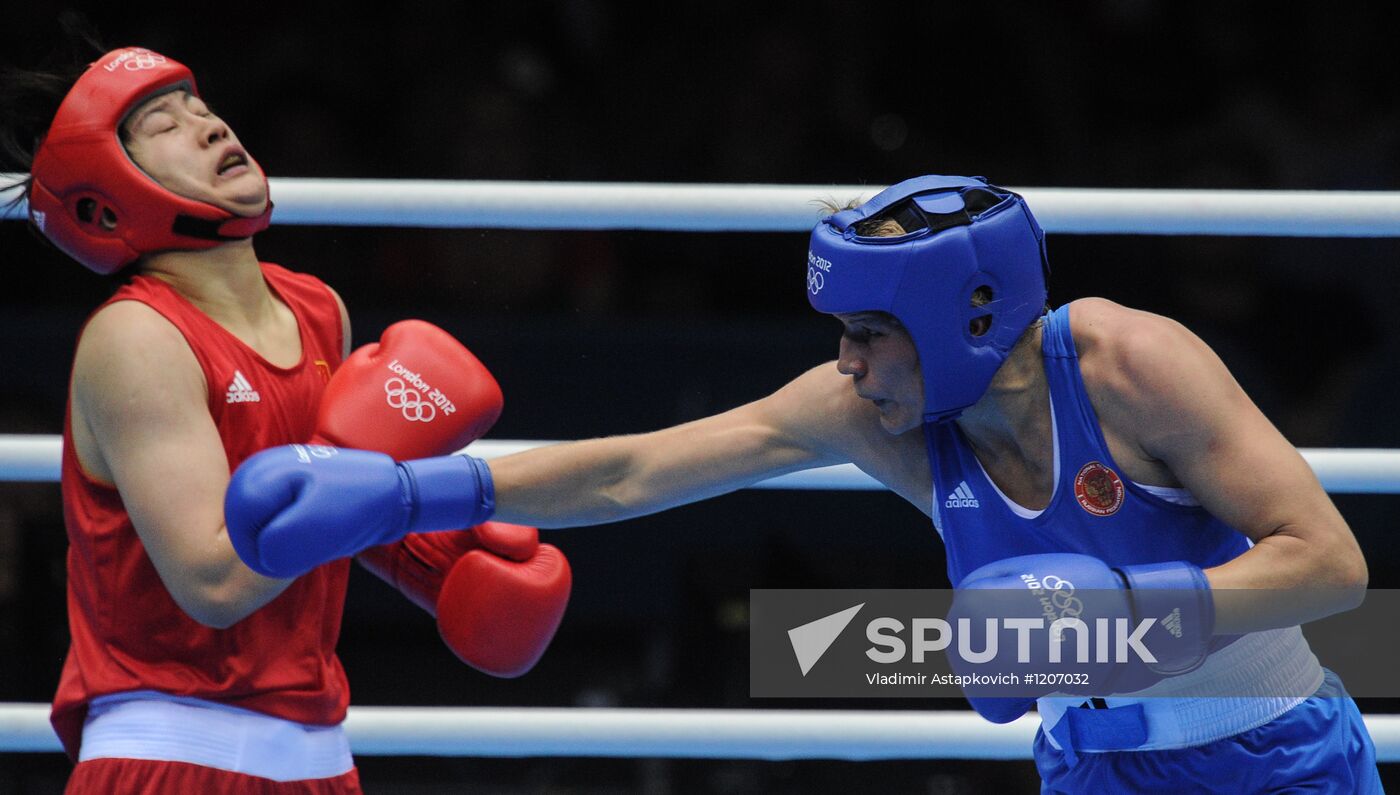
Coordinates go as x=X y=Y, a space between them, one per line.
x=594 y=333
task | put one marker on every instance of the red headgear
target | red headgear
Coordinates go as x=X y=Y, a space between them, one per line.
x=91 y=200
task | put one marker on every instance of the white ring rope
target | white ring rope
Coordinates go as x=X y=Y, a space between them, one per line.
x=35 y=458
x=793 y=208
x=664 y=733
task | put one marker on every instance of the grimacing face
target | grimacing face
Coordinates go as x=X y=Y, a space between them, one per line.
x=879 y=355
x=176 y=139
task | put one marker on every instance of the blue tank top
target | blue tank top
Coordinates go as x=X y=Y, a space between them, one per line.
x=1094 y=510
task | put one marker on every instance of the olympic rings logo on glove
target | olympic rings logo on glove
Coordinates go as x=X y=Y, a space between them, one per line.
x=408 y=400
x=1062 y=601
x=306 y=452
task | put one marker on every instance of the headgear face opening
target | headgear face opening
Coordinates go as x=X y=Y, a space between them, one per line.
x=91 y=200
x=964 y=236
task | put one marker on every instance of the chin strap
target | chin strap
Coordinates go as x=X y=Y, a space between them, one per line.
x=236 y=228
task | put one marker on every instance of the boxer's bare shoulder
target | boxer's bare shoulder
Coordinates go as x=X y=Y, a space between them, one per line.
x=130 y=361
x=822 y=412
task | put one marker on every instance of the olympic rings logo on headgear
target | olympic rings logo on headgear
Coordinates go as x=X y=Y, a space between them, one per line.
x=147 y=60
x=408 y=400
x=135 y=60
x=817 y=268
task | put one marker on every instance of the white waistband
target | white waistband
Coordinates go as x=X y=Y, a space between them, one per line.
x=1277 y=665
x=152 y=726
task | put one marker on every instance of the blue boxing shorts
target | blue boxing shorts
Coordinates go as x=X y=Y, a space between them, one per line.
x=1321 y=745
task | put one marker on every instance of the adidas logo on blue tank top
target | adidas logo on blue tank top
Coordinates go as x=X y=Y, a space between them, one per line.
x=961 y=498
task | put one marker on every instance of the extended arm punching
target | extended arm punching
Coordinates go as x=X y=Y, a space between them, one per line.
x=815 y=420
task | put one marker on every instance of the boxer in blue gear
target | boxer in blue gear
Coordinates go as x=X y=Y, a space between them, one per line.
x=1093 y=442
x=967 y=236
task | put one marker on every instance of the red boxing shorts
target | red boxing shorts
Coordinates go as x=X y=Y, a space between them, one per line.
x=148 y=777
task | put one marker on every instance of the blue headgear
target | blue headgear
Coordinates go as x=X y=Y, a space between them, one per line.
x=963 y=235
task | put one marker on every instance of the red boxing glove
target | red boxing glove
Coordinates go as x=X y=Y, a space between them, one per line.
x=417 y=393
x=498 y=594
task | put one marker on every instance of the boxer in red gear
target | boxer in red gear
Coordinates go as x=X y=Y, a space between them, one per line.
x=187 y=671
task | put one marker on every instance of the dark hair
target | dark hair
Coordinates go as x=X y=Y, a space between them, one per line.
x=31 y=95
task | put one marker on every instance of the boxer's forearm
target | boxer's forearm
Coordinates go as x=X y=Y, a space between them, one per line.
x=620 y=477
x=222 y=591
x=1288 y=577
x=604 y=480
x=563 y=485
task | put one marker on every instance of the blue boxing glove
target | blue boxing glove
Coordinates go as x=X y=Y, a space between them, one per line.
x=1132 y=625
x=289 y=509
x=1176 y=598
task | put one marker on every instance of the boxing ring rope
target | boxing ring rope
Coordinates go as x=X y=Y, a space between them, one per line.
x=791 y=208
x=35 y=458
x=853 y=735
x=741 y=734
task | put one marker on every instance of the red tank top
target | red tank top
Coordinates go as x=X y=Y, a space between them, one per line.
x=127 y=632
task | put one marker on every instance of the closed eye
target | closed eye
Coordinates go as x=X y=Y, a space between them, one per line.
x=861 y=335
x=158 y=123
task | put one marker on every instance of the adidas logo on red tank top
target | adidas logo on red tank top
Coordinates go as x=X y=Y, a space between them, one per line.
x=240 y=391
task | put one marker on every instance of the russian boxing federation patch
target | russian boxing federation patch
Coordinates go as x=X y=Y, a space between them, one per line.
x=1098 y=489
